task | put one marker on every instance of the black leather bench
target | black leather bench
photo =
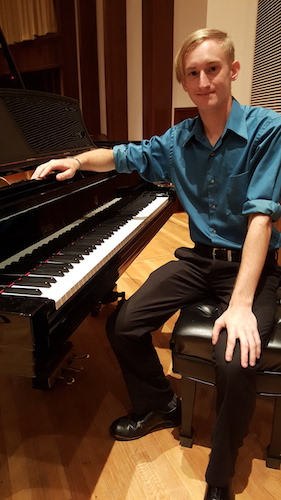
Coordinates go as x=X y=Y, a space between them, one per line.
x=192 y=358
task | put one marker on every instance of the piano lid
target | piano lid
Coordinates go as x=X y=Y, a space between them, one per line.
x=37 y=126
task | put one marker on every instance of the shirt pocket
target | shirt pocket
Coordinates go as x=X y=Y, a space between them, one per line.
x=236 y=193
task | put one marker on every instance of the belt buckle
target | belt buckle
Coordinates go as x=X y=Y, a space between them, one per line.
x=228 y=253
x=214 y=253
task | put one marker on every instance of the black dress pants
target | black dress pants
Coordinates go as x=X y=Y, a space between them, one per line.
x=168 y=289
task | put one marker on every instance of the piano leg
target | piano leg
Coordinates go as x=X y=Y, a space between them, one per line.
x=46 y=376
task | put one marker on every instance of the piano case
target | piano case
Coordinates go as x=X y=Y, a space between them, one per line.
x=63 y=244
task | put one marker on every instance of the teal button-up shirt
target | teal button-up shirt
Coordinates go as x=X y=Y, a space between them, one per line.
x=217 y=186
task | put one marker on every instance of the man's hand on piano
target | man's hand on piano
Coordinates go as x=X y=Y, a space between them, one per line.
x=96 y=160
x=67 y=168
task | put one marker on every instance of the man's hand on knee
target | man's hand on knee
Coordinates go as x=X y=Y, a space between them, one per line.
x=241 y=324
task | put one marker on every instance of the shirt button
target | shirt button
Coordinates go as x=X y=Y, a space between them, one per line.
x=214 y=206
x=214 y=231
x=212 y=154
x=212 y=181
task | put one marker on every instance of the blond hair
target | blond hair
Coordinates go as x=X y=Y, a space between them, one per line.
x=195 y=39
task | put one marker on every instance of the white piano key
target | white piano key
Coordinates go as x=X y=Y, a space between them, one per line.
x=67 y=285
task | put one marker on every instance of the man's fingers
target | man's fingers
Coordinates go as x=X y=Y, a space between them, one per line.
x=230 y=345
x=43 y=170
x=66 y=168
x=250 y=347
x=218 y=325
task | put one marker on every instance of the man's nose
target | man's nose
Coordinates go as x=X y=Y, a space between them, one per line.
x=203 y=80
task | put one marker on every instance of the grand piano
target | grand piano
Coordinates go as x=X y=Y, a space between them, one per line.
x=63 y=244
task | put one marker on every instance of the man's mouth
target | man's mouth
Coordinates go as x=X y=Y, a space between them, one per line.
x=206 y=93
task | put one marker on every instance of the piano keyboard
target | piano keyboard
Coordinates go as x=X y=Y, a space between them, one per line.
x=62 y=274
x=16 y=257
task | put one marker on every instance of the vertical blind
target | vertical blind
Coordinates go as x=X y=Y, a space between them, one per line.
x=25 y=19
x=266 y=88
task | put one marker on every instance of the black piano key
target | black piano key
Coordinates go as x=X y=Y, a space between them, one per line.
x=73 y=253
x=46 y=272
x=92 y=240
x=30 y=261
x=102 y=233
x=56 y=260
x=36 y=281
x=21 y=269
x=64 y=266
x=22 y=291
x=67 y=259
x=7 y=278
x=79 y=248
x=54 y=257
x=54 y=266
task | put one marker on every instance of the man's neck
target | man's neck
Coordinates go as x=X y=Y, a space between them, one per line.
x=214 y=122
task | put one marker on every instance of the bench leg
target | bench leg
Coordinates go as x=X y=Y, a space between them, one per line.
x=188 y=395
x=273 y=455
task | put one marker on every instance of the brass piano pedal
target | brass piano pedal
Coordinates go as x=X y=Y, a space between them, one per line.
x=68 y=367
x=68 y=379
x=72 y=360
x=77 y=369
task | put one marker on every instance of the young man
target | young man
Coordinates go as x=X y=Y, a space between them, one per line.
x=225 y=166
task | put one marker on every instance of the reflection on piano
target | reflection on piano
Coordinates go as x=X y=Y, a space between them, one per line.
x=63 y=244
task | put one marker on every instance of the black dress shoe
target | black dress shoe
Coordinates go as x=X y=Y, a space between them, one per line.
x=215 y=493
x=134 y=426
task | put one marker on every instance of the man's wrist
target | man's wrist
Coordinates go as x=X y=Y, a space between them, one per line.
x=75 y=158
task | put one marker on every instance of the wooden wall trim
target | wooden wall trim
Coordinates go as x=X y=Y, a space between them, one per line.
x=158 y=18
x=89 y=78
x=65 y=11
x=115 y=56
x=181 y=114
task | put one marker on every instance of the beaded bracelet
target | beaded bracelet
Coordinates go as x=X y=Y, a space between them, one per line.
x=74 y=158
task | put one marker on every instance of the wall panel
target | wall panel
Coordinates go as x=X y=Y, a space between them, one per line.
x=157 y=39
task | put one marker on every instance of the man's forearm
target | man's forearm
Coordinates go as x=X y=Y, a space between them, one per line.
x=97 y=160
x=253 y=257
x=239 y=319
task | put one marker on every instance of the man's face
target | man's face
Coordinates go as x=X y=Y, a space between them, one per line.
x=208 y=75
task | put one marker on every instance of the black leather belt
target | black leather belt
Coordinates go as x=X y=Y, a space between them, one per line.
x=219 y=253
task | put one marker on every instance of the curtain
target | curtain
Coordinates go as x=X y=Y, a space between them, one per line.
x=266 y=88
x=22 y=20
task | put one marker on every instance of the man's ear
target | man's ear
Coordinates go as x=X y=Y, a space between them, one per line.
x=183 y=85
x=235 y=68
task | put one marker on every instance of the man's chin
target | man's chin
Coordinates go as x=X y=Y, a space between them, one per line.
x=203 y=101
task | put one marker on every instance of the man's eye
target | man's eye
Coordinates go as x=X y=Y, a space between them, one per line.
x=192 y=73
x=212 y=69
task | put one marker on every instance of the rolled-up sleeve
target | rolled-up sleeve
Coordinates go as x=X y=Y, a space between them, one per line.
x=266 y=207
x=120 y=159
x=150 y=158
x=264 y=190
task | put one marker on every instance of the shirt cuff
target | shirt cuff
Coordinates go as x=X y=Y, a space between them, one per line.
x=266 y=207
x=120 y=159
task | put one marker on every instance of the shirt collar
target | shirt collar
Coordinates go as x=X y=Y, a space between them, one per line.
x=236 y=123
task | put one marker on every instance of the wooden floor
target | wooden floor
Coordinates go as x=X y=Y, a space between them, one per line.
x=55 y=445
